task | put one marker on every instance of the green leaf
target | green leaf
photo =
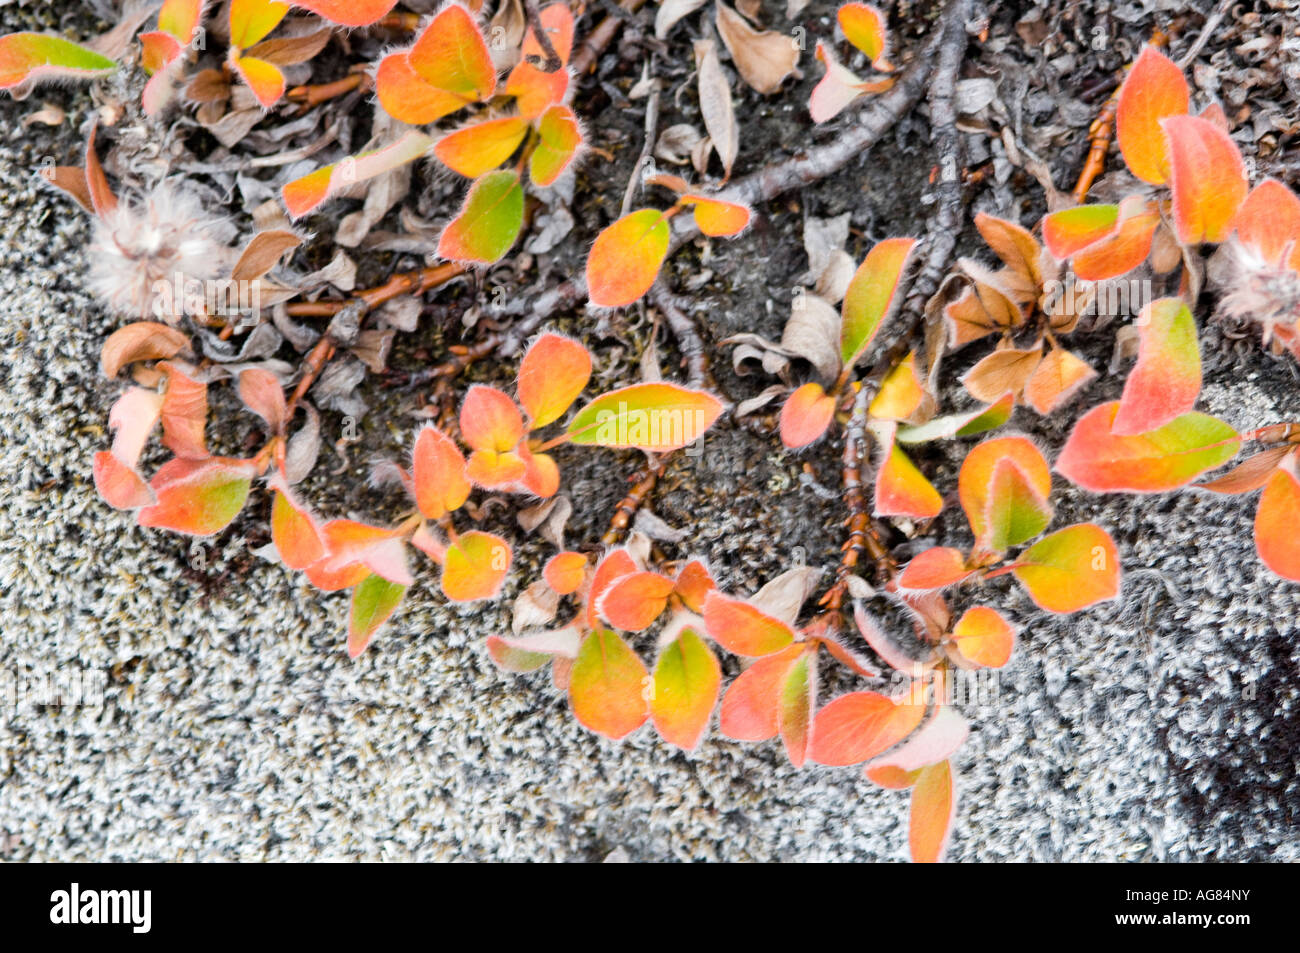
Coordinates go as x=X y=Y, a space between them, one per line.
x=490 y=222
x=654 y=417
x=39 y=57
x=373 y=601
x=870 y=297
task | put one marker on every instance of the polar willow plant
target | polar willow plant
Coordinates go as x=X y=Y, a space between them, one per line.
x=630 y=635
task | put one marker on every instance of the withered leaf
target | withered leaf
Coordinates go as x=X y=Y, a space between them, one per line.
x=263 y=253
x=715 y=104
x=764 y=59
x=141 y=341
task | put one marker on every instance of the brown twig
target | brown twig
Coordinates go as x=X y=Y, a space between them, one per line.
x=945 y=226
x=863 y=537
x=313 y=95
x=643 y=483
x=407 y=282
x=552 y=61
x=599 y=38
x=689 y=342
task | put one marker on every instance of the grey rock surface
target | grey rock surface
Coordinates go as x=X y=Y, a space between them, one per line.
x=233 y=726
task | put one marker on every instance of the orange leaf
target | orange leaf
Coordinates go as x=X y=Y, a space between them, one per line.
x=294 y=532
x=717 y=218
x=687 y=678
x=1056 y=380
x=184 y=414
x=750 y=709
x=1071 y=569
x=856 y=727
x=565 y=572
x=348 y=12
x=407 y=97
x=349 y=543
x=250 y=20
x=984 y=492
x=1276 y=520
x=1071 y=230
x=901 y=392
x=634 y=601
x=805 y=415
x=553 y=373
x=934 y=803
x=452 y=55
x=864 y=26
x=482 y=147
x=475 y=566
x=541 y=473
x=903 y=490
x=263 y=78
x=616 y=564
x=984 y=637
x=693 y=585
x=1208 y=179
x=1122 y=252
x=742 y=629
x=490 y=420
x=1268 y=223
x=534 y=88
x=1166 y=458
x=607 y=688
x=626 y=257
x=438 y=474
x=1154 y=89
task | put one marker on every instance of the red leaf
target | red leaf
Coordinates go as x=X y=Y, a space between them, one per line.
x=1208 y=179
x=935 y=568
x=750 y=709
x=184 y=414
x=805 y=415
x=198 y=499
x=1167 y=378
x=261 y=393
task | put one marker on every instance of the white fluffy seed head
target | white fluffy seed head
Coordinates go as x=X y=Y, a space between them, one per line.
x=1260 y=293
x=147 y=247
